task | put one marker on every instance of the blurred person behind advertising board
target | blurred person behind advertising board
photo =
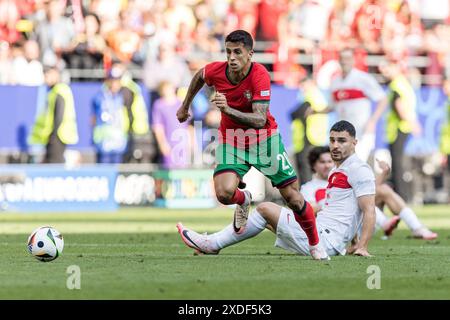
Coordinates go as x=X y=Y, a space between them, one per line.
x=400 y=124
x=165 y=123
x=55 y=125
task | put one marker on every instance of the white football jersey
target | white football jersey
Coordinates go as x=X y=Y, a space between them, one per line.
x=352 y=97
x=314 y=191
x=341 y=216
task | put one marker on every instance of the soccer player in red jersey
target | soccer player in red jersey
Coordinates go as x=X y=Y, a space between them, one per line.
x=248 y=135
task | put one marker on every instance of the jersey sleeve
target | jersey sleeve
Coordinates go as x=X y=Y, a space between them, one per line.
x=372 y=88
x=362 y=180
x=261 y=85
x=208 y=73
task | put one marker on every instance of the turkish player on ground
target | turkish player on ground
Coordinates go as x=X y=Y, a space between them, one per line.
x=243 y=97
x=349 y=206
x=314 y=191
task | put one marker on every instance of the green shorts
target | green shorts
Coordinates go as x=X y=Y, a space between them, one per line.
x=268 y=156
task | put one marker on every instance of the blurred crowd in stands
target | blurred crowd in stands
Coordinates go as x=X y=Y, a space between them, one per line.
x=162 y=42
x=88 y=35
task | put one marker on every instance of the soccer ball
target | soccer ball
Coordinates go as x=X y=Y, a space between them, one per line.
x=45 y=243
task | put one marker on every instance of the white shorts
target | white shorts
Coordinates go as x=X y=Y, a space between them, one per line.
x=290 y=235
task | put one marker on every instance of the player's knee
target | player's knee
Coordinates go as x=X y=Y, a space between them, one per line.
x=224 y=196
x=295 y=206
x=382 y=190
x=264 y=208
x=294 y=201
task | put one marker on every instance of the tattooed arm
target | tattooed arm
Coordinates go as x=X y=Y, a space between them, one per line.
x=196 y=84
x=256 y=119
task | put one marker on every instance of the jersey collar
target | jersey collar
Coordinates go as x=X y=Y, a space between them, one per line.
x=234 y=84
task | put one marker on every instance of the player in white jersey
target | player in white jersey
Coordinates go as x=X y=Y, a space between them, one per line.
x=352 y=94
x=313 y=191
x=320 y=162
x=350 y=203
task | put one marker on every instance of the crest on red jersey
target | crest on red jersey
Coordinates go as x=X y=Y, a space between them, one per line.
x=248 y=95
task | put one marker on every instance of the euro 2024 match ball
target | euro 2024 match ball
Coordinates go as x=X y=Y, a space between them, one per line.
x=45 y=243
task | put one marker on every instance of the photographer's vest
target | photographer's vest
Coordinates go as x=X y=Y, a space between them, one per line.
x=44 y=124
x=445 y=133
x=403 y=88
x=138 y=111
x=314 y=127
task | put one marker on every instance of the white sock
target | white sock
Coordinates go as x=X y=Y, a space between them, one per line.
x=410 y=218
x=381 y=218
x=247 y=199
x=226 y=237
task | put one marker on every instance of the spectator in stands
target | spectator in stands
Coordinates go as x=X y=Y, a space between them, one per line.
x=402 y=32
x=27 y=69
x=110 y=120
x=55 y=33
x=123 y=41
x=167 y=67
x=312 y=21
x=368 y=23
x=154 y=33
x=87 y=47
x=178 y=15
x=55 y=125
x=174 y=139
x=204 y=44
x=9 y=16
x=339 y=29
x=401 y=122
x=243 y=15
x=437 y=49
x=289 y=32
x=433 y=12
x=270 y=12
x=108 y=11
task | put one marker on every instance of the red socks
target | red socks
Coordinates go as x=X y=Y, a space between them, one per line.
x=239 y=197
x=307 y=221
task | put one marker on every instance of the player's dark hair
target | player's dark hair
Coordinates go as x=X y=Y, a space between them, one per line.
x=344 y=126
x=314 y=155
x=241 y=36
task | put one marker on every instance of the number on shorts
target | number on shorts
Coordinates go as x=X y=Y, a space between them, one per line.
x=285 y=163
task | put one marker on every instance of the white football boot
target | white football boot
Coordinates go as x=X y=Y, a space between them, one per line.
x=241 y=214
x=199 y=242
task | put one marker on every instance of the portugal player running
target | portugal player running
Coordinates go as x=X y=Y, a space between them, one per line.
x=249 y=136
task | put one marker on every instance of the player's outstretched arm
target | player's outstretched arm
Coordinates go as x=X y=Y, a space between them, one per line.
x=367 y=205
x=196 y=84
x=379 y=110
x=385 y=171
x=256 y=119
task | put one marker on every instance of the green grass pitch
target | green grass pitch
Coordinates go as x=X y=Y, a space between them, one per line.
x=137 y=254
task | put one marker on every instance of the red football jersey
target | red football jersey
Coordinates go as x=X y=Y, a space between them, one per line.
x=254 y=87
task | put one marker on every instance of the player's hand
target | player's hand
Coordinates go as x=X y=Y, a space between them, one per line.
x=183 y=114
x=220 y=101
x=351 y=249
x=385 y=168
x=362 y=252
x=357 y=250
